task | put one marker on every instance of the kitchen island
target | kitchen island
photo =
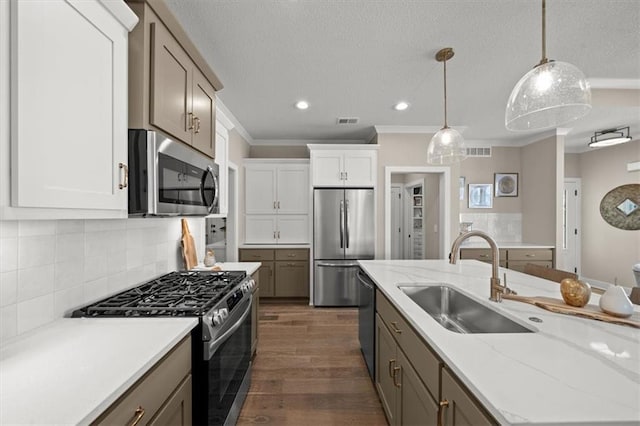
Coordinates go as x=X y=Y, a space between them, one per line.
x=569 y=370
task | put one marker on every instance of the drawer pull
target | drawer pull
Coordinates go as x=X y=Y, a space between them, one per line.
x=291 y=255
x=443 y=406
x=391 y=363
x=484 y=256
x=530 y=255
x=137 y=416
x=394 y=326
x=395 y=375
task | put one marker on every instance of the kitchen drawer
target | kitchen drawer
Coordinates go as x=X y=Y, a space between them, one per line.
x=153 y=389
x=529 y=254
x=256 y=255
x=518 y=265
x=292 y=254
x=423 y=360
x=481 y=254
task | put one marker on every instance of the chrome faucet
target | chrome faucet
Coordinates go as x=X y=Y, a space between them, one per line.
x=496 y=289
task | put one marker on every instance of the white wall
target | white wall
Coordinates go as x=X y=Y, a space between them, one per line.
x=48 y=268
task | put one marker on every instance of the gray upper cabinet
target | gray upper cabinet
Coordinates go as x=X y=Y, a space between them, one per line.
x=170 y=87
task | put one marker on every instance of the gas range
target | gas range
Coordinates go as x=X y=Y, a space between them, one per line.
x=221 y=342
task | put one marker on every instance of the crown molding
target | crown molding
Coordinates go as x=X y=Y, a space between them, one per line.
x=233 y=121
x=305 y=142
x=615 y=83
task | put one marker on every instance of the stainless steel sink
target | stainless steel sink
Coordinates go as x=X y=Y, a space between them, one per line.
x=458 y=312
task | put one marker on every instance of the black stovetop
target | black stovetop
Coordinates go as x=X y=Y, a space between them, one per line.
x=182 y=293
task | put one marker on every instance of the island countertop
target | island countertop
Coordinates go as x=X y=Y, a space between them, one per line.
x=570 y=370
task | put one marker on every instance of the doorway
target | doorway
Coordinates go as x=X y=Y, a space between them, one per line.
x=397 y=222
x=571 y=232
x=438 y=178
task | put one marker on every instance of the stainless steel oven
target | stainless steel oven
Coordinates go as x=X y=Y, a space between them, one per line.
x=168 y=178
x=223 y=368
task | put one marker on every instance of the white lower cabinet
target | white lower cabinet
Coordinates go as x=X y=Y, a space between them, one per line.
x=277 y=229
x=68 y=111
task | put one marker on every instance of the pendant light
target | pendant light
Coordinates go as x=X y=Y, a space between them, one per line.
x=551 y=94
x=446 y=146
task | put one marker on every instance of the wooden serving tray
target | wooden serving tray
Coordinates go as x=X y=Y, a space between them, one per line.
x=588 y=311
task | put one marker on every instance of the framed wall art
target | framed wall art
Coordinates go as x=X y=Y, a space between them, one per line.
x=506 y=184
x=480 y=196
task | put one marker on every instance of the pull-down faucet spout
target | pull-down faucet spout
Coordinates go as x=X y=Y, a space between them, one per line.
x=496 y=289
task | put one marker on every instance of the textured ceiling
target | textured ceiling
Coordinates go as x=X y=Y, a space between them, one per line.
x=357 y=58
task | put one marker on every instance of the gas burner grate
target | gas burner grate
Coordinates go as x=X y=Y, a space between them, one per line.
x=182 y=293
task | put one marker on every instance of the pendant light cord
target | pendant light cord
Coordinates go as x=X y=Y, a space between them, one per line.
x=445 y=93
x=544 y=59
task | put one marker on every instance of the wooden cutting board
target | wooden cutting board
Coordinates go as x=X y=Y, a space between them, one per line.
x=188 y=247
x=588 y=311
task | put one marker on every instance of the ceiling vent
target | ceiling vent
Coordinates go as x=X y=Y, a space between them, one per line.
x=347 y=120
x=478 y=152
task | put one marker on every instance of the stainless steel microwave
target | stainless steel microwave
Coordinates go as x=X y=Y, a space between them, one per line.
x=169 y=178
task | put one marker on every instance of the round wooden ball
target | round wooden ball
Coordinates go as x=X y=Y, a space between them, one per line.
x=575 y=292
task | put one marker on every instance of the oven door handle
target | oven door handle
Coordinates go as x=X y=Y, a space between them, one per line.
x=212 y=347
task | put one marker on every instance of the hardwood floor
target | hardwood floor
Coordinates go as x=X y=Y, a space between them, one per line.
x=309 y=370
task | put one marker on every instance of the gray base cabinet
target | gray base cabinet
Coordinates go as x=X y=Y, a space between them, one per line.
x=414 y=385
x=513 y=258
x=284 y=272
x=161 y=397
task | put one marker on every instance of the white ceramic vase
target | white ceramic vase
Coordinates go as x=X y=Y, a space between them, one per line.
x=615 y=302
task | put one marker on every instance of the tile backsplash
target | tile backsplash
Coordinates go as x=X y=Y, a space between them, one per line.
x=503 y=227
x=49 y=268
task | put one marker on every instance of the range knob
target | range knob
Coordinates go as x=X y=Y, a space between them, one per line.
x=216 y=318
x=224 y=313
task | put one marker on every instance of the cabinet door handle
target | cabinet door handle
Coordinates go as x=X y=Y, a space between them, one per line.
x=139 y=413
x=394 y=327
x=190 y=121
x=274 y=235
x=391 y=363
x=278 y=234
x=274 y=205
x=441 y=409
x=196 y=126
x=346 y=175
x=395 y=375
x=278 y=205
x=124 y=180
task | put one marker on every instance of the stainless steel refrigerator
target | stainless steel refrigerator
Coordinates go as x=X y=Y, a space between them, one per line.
x=343 y=231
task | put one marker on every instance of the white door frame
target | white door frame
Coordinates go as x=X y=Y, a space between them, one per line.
x=232 y=214
x=401 y=220
x=578 y=225
x=445 y=203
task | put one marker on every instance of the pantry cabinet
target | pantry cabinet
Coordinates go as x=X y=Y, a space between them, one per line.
x=68 y=119
x=347 y=166
x=284 y=272
x=277 y=202
x=414 y=385
x=171 y=88
x=162 y=396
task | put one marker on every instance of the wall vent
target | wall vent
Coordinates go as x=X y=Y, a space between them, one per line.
x=347 y=120
x=478 y=151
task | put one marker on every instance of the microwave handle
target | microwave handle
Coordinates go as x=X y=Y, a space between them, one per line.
x=216 y=188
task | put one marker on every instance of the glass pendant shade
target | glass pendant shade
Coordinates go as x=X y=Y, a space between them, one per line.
x=551 y=94
x=446 y=147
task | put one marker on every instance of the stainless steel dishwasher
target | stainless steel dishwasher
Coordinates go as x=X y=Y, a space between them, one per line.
x=367 y=320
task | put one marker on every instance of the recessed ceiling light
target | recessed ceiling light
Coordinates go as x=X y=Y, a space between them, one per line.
x=401 y=106
x=302 y=105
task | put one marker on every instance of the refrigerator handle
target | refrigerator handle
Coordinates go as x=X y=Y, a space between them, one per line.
x=341 y=223
x=346 y=219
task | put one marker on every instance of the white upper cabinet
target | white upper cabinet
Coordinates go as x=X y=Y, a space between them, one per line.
x=277 y=188
x=68 y=110
x=344 y=166
x=277 y=201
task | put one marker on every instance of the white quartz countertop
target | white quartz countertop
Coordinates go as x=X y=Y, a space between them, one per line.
x=248 y=267
x=571 y=370
x=70 y=371
x=504 y=245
